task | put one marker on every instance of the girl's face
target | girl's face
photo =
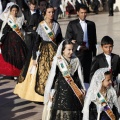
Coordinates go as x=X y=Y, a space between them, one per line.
x=68 y=51
x=49 y=13
x=107 y=82
x=14 y=12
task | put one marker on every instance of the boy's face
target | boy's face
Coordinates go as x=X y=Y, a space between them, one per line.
x=32 y=7
x=107 y=82
x=107 y=49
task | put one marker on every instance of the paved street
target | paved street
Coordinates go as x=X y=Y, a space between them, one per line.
x=14 y=108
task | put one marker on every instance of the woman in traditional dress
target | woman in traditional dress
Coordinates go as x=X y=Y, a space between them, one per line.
x=49 y=37
x=65 y=80
x=101 y=101
x=13 y=48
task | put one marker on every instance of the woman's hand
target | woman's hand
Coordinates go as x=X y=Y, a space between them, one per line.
x=73 y=41
x=25 y=21
x=34 y=28
x=35 y=62
x=50 y=98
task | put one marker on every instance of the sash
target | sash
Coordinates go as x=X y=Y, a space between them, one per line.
x=107 y=108
x=15 y=28
x=63 y=68
x=48 y=31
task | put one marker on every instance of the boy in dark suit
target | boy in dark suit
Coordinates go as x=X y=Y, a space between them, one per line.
x=107 y=58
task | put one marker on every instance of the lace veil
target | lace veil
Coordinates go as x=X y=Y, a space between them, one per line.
x=4 y=16
x=95 y=86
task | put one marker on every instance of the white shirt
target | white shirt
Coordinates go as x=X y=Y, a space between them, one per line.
x=85 y=34
x=84 y=28
x=108 y=58
x=32 y=12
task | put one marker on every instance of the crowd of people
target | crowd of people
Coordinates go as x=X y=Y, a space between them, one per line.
x=64 y=8
x=65 y=74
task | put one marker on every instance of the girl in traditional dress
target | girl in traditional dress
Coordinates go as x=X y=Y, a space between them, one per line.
x=49 y=36
x=101 y=100
x=65 y=80
x=13 y=48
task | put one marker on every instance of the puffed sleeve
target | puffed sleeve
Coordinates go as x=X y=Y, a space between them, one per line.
x=6 y=29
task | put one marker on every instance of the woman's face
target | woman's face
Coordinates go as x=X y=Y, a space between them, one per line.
x=68 y=51
x=14 y=12
x=49 y=13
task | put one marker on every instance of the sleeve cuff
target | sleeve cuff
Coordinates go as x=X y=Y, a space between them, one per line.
x=78 y=48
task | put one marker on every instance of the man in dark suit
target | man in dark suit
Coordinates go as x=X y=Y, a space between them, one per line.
x=32 y=19
x=107 y=58
x=29 y=12
x=56 y=5
x=110 y=7
x=82 y=32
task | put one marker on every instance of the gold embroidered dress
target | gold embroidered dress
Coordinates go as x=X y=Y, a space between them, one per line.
x=34 y=85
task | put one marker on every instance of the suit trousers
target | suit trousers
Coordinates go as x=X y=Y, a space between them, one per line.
x=85 y=58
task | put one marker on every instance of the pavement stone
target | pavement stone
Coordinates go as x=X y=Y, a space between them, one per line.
x=14 y=108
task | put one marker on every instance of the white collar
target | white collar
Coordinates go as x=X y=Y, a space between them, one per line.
x=82 y=21
x=107 y=55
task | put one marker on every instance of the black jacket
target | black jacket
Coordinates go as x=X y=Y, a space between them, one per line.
x=28 y=18
x=101 y=62
x=34 y=21
x=75 y=32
